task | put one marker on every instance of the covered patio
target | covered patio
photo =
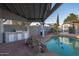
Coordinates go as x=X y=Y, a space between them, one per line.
x=27 y=12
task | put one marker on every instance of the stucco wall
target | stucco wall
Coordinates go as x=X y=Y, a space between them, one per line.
x=76 y=28
x=11 y=28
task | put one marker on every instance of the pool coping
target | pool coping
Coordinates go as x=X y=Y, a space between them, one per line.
x=70 y=35
x=63 y=35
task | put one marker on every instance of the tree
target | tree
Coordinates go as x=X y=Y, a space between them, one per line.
x=58 y=20
x=55 y=27
x=71 y=18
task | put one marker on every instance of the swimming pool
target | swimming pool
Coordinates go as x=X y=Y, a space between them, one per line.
x=63 y=46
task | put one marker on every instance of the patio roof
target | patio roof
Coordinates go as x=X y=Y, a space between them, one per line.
x=30 y=12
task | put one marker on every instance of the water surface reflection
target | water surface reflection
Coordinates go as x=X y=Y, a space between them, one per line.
x=63 y=45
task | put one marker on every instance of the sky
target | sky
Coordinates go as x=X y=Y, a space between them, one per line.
x=64 y=10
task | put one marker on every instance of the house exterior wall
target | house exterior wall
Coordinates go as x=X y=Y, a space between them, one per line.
x=11 y=28
x=1 y=30
x=76 y=25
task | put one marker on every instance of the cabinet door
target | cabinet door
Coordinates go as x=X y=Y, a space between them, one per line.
x=19 y=36
x=11 y=38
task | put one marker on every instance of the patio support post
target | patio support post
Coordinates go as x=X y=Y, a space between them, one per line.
x=28 y=24
x=28 y=28
x=1 y=31
x=28 y=31
x=43 y=30
x=63 y=28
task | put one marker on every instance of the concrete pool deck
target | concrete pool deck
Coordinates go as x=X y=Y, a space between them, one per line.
x=19 y=48
x=70 y=35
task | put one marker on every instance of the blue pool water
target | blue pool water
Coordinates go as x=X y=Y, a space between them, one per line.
x=63 y=46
